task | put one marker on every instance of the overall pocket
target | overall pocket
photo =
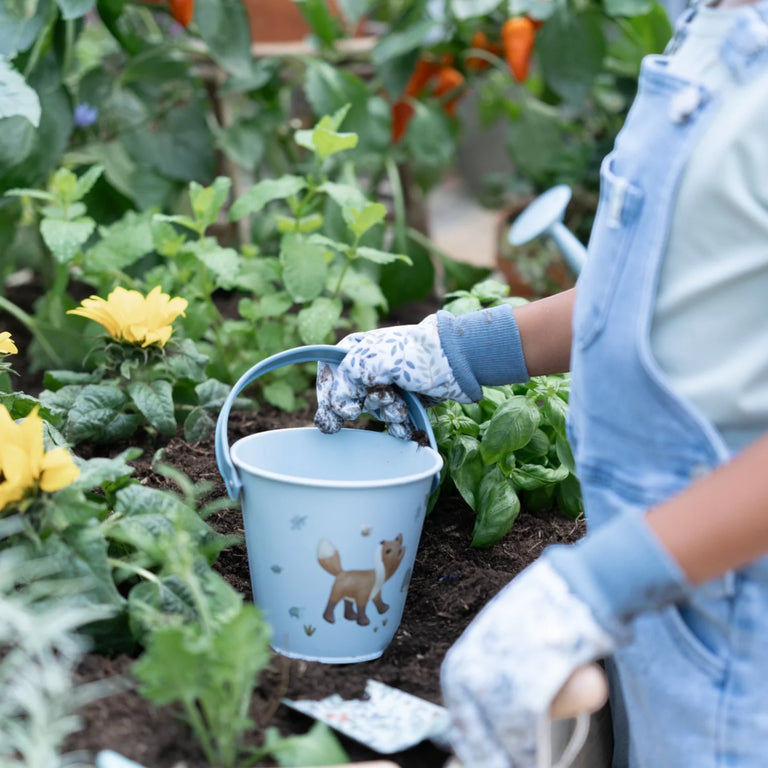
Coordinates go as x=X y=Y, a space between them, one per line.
x=617 y=214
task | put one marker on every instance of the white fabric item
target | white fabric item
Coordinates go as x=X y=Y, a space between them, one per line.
x=409 y=357
x=710 y=328
x=501 y=676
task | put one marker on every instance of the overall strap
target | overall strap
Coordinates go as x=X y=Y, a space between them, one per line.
x=745 y=46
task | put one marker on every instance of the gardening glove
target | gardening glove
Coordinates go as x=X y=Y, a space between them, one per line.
x=444 y=357
x=572 y=606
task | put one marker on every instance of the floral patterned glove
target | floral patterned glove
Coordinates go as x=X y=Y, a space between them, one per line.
x=379 y=362
x=574 y=605
x=501 y=676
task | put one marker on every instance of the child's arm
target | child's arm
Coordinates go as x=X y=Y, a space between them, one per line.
x=721 y=521
x=545 y=330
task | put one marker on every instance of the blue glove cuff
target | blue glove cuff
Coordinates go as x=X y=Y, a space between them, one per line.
x=620 y=570
x=483 y=348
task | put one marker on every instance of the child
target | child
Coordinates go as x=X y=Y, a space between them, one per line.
x=666 y=336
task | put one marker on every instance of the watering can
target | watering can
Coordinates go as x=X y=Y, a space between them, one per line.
x=544 y=216
x=332 y=523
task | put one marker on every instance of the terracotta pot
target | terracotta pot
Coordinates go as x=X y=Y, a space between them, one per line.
x=278 y=21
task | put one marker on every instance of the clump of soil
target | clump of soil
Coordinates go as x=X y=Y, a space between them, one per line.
x=451 y=582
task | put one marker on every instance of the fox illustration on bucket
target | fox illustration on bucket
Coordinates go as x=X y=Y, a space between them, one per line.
x=358 y=587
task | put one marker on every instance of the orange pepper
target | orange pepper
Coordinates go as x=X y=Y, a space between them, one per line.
x=183 y=11
x=449 y=79
x=480 y=40
x=402 y=111
x=518 y=35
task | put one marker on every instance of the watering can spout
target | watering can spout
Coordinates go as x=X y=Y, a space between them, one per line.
x=544 y=216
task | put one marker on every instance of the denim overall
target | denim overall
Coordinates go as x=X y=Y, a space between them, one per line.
x=691 y=690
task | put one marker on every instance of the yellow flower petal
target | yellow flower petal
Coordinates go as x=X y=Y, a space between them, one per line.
x=7 y=347
x=16 y=468
x=130 y=317
x=31 y=442
x=58 y=470
x=9 y=493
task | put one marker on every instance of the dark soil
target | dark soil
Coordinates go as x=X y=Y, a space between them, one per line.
x=451 y=582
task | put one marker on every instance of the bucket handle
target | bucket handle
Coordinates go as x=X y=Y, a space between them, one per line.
x=323 y=353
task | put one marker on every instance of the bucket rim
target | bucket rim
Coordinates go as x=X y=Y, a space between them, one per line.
x=313 y=482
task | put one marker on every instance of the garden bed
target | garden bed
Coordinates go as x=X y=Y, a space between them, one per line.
x=450 y=583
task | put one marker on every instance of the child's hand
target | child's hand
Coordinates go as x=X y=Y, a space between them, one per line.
x=379 y=362
x=501 y=676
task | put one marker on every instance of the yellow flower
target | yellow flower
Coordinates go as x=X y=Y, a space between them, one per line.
x=7 y=347
x=133 y=318
x=24 y=463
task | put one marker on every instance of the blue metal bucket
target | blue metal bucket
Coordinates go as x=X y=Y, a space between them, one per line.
x=332 y=524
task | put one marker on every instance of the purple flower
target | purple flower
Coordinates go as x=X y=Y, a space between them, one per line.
x=85 y=115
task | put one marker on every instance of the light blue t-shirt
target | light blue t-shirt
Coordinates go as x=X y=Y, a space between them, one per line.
x=710 y=326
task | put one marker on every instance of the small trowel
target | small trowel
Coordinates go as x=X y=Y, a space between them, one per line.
x=388 y=720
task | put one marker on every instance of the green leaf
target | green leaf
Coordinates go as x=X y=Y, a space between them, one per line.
x=98 y=472
x=466 y=467
x=564 y=454
x=360 y=221
x=529 y=477
x=86 y=182
x=98 y=414
x=177 y=144
x=155 y=402
x=628 y=7
x=398 y=43
x=122 y=244
x=280 y=394
x=511 y=427
x=21 y=24
x=74 y=9
x=208 y=201
x=80 y=553
x=381 y=257
x=568 y=497
x=346 y=196
x=226 y=31
x=571 y=69
x=317 y=321
x=497 y=508
x=275 y=304
x=321 y=20
x=16 y=97
x=304 y=225
x=304 y=268
x=470 y=9
x=66 y=238
x=198 y=425
x=327 y=143
x=362 y=289
x=319 y=746
x=222 y=263
x=266 y=191
x=535 y=139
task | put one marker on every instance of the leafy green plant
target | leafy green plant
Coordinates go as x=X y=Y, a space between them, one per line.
x=40 y=648
x=509 y=451
x=210 y=669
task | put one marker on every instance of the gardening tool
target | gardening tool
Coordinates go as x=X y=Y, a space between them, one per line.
x=388 y=720
x=332 y=523
x=109 y=759
x=544 y=216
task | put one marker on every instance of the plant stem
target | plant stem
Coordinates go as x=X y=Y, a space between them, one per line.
x=137 y=569
x=398 y=200
x=31 y=325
